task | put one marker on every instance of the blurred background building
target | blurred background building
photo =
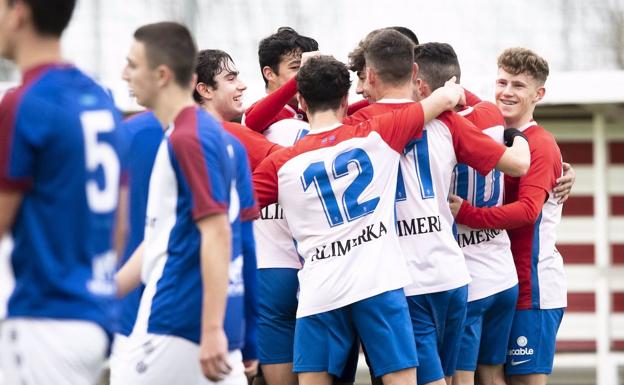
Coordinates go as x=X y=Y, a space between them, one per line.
x=583 y=41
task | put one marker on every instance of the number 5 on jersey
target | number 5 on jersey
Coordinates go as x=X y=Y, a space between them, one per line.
x=317 y=175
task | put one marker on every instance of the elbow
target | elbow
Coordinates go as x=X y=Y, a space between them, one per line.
x=520 y=168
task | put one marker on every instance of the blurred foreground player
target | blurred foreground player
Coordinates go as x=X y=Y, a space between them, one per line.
x=531 y=214
x=178 y=336
x=59 y=181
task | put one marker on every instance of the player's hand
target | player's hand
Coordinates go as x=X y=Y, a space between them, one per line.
x=308 y=55
x=213 y=354
x=454 y=92
x=565 y=183
x=455 y=203
x=251 y=369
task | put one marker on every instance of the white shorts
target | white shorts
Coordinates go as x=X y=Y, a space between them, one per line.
x=37 y=351
x=161 y=359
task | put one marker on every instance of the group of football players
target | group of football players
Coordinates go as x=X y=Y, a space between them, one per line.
x=201 y=243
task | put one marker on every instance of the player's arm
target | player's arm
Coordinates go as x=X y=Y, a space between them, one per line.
x=259 y=116
x=250 y=350
x=258 y=147
x=9 y=204
x=128 y=277
x=564 y=183
x=215 y=253
x=483 y=153
x=442 y=99
x=356 y=106
x=121 y=220
x=265 y=180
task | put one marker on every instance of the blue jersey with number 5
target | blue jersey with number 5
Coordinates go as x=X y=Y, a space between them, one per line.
x=58 y=148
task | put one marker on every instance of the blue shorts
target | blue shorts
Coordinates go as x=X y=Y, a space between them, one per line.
x=532 y=341
x=277 y=308
x=487 y=328
x=324 y=341
x=438 y=321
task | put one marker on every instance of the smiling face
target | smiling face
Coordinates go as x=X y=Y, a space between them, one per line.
x=516 y=97
x=142 y=79
x=227 y=96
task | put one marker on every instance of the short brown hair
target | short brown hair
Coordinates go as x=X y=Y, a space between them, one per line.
x=170 y=44
x=524 y=61
x=357 y=62
x=391 y=54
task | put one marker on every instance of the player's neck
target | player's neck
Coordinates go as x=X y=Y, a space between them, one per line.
x=323 y=119
x=209 y=108
x=519 y=121
x=170 y=103
x=36 y=50
x=395 y=92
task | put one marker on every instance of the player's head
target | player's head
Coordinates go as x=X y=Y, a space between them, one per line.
x=162 y=56
x=323 y=84
x=280 y=55
x=520 y=83
x=389 y=57
x=218 y=87
x=437 y=63
x=407 y=33
x=46 y=18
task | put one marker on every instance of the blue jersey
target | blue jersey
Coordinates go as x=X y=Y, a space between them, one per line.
x=243 y=208
x=191 y=179
x=58 y=146
x=142 y=135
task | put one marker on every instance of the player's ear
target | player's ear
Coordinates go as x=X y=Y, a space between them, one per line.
x=268 y=73
x=204 y=90
x=302 y=103
x=164 y=75
x=539 y=94
x=414 y=72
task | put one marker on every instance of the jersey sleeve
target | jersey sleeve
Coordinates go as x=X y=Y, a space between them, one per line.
x=260 y=116
x=533 y=190
x=265 y=181
x=206 y=171
x=471 y=145
x=19 y=142
x=355 y=107
x=400 y=126
x=249 y=208
x=471 y=99
x=258 y=147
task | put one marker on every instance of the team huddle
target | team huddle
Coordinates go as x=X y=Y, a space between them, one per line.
x=415 y=226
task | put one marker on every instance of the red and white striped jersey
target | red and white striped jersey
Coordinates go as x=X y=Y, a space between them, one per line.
x=337 y=188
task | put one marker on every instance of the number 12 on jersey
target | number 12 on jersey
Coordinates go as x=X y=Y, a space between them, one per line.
x=316 y=174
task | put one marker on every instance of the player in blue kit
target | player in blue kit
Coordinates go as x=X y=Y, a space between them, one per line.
x=178 y=336
x=141 y=136
x=219 y=91
x=59 y=179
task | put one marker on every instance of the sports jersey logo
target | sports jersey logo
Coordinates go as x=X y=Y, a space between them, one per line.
x=522 y=341
x=103 y=270
x=417 y=226
x=475 y=237
x=343 y=247
x=236 y=286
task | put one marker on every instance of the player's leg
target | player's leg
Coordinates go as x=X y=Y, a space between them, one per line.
x=532 y=345
x=277 y=308
x=425 y=326
x=454 y=320
x=35 y=351
x=323 y=343
x=470 y=341
x=497 y=322
x=384 y=326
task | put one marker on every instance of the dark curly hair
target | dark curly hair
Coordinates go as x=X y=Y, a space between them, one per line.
x=322 y=82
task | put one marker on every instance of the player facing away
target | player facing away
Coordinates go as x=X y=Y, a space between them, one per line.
x=437 y=295
x=531 y=214
x=219 y=91
x=59 y=181
x=184 y=259
x=336 y=187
